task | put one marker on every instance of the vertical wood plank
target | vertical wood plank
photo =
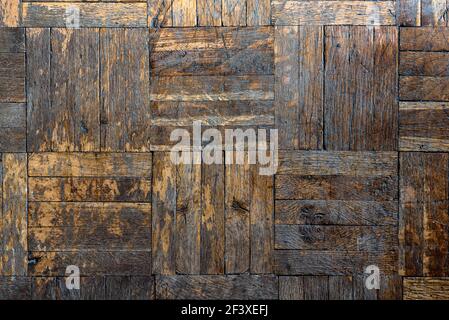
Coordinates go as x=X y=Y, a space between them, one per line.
x=237 y=218
x=188 y=218
x=209 y=13
x=184 y=13
x=259 y=12
x=262 y=225
x=316 y=288
x=10 y=11
x=340 y=288
x=14 y=255
x=234 y=13
x=286 y=47
x=164 y=214
x=311 y=87
x=434 y=13
x=75 y=99
x=38 y=93
x=124 y=112
x=212 y=224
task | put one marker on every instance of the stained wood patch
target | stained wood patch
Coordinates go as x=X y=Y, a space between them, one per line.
x=426 y=288
x=10 y=13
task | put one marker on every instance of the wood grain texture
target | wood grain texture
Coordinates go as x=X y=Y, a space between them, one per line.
x=12 y=40
x=426 y=288
x=12 y=127
x=423 y=126
x=333 y=12
x=184 y=13
x=424 y=39
x=100 y=14
x=234 y=12
x=14 y=243
x=247 y=287
x=434 y=12
x=423 y=220
x=10 y=13
x=124 y=76
x=209 y=13
x=412 y=88
x=160 y=14
x=409 y=12
x=54 y=288
x=258 y=12
x=424 y=64
x=15 y=288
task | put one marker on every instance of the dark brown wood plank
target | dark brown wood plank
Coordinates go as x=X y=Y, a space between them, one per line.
x=12 y=40
x=15 y=288
x=424 y=88
x=409 y=12
x=340 y=288
x=54 y=288
x=336 y=212
x=54 y=264
x=424 y=126
x=129 y=288
x=124 y=64
x=316 y=288
x=291 y=288
x=246 y=287
x=425 y=39
x=336 y=238
x=311 y=262
x=336 y=188
x=424 y=64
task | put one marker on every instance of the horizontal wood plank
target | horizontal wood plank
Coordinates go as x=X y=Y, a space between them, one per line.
x=426 y=288
x=424 y=88
x=424 y=39
x=434 y=64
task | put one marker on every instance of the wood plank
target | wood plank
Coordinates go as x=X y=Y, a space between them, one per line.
x=238 y=218
x=188 y=218
x=262 y=226
x=13 y=139
x=311 y=87
x=286 y=85
x=357 y=164
x=209 y=13
x=13 y=223
x=424 y=225
x=90 y=189
x=424 y=64
x=383 y=127
x=184 y=13
x=38 y=91
x=75 y=100
x=234 y=13
x=311 y=262
x=160 y=13
x=433 y=12
x=316 y=288
x=51 y=14
x=164 y=214
x=54 y=288
x=333 y=12
x=10 y=13
x=409 y=13
x=129 y=288
x=360 y=291
x=195 y=39
x=356 y=90
x=212 y=88
x=258 y=12
x=81 y=214
x=426 y=288
x=12 y=40
x=291 y=288
x=245 y=287
x=124 y=64
x=12 y=65
x=89 y=165
x=336 y=212
x=335 y=188
x=54 y=264
x=424 y=88
x=336 y=238
x=423 y=126
x=214 y=114
x=15 y=288
x=425 y=39
x=212 y=220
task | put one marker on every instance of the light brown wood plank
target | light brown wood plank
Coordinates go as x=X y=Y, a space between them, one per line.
x=234 y=13
x=424 y=88
x=209 y=13
x=426 y=288
x=258 y=12
x=425 y=39
x=184 y=13
x=10 y=13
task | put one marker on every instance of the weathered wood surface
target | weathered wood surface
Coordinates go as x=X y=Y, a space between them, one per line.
x=10 y=13
x=426 y=288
